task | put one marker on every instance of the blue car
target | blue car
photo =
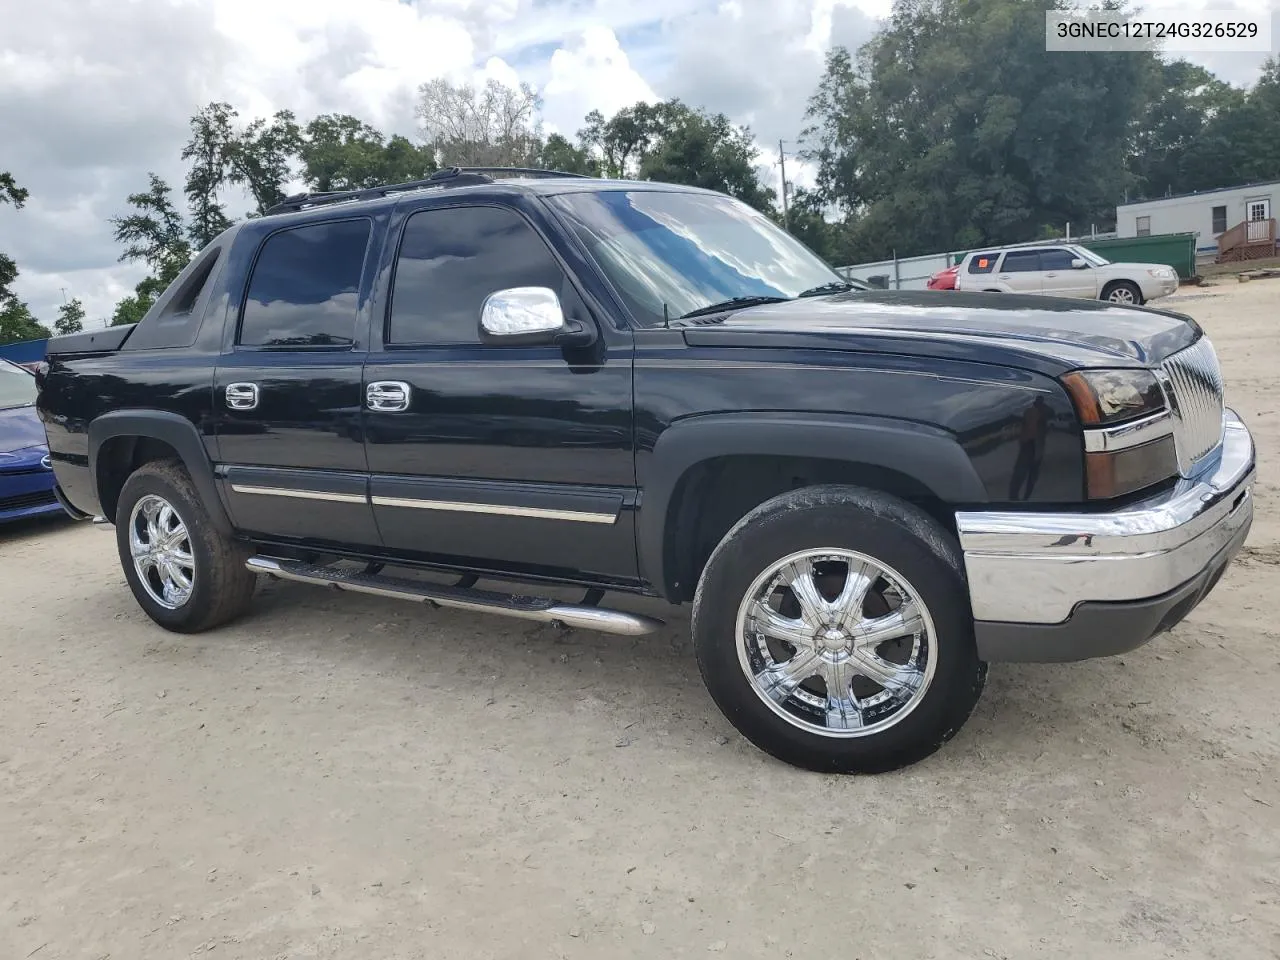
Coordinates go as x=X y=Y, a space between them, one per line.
x=26 y=481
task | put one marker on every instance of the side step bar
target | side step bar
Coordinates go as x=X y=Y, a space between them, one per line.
x=462 y=598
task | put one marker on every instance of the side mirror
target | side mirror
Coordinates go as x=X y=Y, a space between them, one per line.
x=529 y=315
x=1078 y=264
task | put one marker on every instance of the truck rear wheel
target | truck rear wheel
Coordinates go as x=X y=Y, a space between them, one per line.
x=832 y=626
x=186 y=575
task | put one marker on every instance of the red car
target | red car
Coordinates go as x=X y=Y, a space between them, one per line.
x=944 y=279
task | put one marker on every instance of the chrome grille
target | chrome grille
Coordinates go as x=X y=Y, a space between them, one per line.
x=1193 y=382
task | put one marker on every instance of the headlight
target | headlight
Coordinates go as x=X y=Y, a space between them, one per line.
x=1113 y=396
x=1162 y=272
x=1128 y=433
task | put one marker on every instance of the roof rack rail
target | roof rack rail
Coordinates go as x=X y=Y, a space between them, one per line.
x=445 y=177
x=536 y=173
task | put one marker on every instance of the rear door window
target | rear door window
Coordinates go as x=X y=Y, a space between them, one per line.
x=305 y=287
x=1021 y=261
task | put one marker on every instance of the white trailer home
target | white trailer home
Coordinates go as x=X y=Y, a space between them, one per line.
x=1209 y=213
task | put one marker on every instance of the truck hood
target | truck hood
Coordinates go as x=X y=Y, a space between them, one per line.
x=1047 y=333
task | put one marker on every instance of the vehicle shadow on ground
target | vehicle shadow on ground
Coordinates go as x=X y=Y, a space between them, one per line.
x=1044 y=712
x=31 y=528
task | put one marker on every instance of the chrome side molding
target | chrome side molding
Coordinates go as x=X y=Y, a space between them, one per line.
x=542 y=609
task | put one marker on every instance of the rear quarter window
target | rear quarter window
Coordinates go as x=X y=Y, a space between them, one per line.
x=982 y=262
x=175 y=319
x=305 y=285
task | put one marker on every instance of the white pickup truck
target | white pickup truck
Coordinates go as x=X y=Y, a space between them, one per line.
x=1065 y=270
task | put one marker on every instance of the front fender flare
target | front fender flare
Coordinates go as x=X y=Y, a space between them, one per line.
x=929 y=455
x=175 y=430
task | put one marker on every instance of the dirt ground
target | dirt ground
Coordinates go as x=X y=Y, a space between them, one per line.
x=338 y=776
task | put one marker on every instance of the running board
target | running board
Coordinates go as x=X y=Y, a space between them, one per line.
x=462 y=598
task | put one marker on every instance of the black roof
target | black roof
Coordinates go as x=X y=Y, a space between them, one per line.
x=454 y=178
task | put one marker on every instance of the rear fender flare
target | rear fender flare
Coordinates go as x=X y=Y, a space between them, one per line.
x=179 y=433
x=929 y=455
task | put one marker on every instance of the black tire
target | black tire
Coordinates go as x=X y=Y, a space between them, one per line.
x=891 y=532
x=1129 y=286
x=221 y=587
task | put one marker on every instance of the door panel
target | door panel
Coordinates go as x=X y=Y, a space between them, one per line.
x=511 y=458
x=1060 y=279
x=289 y=431
x=1020 y=271
x=517 y=460
x=303 y=438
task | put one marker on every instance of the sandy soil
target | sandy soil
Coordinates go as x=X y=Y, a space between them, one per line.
x=350 y=777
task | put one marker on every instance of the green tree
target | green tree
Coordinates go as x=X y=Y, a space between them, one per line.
x=16 y=321
x=705 y=150
x=153 y=234
x=261 y=155
x=676 y=143
x=1184 y=100
x=209 y=152
x=621 y=141
x=807 y=221
x=1240 y=142
x=18 y=324
x=10 y=192
x=70 y=318
x=954 y=126
x=340 y=152
x=559 y=154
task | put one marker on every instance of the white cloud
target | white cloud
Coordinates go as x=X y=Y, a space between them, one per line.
x=591 y=72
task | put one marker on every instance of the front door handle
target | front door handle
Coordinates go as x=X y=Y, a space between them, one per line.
x=242 y=396
x=387 y=396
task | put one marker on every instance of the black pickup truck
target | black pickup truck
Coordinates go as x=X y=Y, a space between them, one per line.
x=643 y=388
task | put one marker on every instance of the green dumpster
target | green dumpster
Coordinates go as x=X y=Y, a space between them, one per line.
x=1178 y=250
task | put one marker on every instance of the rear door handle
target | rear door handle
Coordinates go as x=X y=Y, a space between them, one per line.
x=242 y=396
x=387 y=396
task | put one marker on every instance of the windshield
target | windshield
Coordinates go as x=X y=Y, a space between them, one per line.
x=1091 y=257
x=688 y=251
x=17 y=387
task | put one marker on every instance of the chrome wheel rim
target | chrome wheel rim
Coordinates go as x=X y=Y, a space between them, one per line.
x=161 y=551
x=836 y=642
x=1121 y=295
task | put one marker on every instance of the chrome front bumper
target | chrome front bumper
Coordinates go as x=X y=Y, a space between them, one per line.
x=1068 y=586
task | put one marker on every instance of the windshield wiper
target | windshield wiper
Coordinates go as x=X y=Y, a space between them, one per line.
x=730 y=304
x=835 y=286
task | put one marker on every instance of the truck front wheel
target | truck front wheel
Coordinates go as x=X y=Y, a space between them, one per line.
x=832 y=627
x=183 y=572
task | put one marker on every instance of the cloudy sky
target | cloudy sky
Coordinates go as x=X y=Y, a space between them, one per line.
x=94 y=93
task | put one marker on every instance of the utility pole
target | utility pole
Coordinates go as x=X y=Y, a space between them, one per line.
x=782 y=160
